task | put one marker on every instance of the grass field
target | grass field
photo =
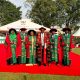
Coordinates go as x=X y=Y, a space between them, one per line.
x=76 y=50
x=24 y=76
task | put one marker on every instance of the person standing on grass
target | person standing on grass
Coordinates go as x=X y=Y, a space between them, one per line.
x=67 y=44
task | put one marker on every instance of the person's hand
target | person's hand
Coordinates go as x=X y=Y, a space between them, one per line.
x=15 y=43
x=52 y=43
x=11 y=42
x=67 y=45
x=22 y=40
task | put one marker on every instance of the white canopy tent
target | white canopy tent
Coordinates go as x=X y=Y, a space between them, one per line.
x=23 y=23
x=77 y=33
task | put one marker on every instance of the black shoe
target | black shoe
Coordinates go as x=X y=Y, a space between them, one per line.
x=9 y=61
x=57 y=63
x=39 y=63
x=19 y=60
x=44 y=64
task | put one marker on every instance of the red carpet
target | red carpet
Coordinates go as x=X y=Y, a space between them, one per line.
x=73 y=69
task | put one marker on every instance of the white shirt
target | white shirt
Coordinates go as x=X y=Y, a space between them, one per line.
x=42 y=39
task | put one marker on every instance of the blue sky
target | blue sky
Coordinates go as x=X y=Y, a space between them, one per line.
x=20 y=3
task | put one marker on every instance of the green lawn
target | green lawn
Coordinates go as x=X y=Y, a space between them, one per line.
x=24 y=76
x=76 y=50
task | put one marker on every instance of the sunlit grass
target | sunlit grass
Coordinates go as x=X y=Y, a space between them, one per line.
x=24 y=76
x=76 y=50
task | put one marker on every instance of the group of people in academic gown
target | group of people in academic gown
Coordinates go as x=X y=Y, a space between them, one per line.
x=21 y=47
x=40 y=48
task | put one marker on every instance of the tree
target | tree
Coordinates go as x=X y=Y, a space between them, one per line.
x=68 y=11
x=8 y=12
x=42 y=12
x=55 y=12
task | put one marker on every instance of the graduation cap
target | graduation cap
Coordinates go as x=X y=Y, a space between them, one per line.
x=12 y=29
x=66 y=29
x=23 y=29
x=42 y=28
x=31 y=31
x=53 y=30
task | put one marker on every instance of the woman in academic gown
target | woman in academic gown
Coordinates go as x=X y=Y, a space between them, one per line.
x=31 y=47
x=11 y=43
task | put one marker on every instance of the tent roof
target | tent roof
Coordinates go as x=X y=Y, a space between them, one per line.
x=23 y=23
x=77 y=33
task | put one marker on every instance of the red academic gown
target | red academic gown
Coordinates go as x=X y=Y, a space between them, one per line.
x=19 y=46
x=27 y=45
x=8 y=47
x=60 y=49
x=42 y=58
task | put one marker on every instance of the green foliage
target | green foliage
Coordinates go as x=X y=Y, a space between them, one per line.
x=8 y=12
x=77 y=40
x=69 y=11
x=55 y=12
x=42 y=12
